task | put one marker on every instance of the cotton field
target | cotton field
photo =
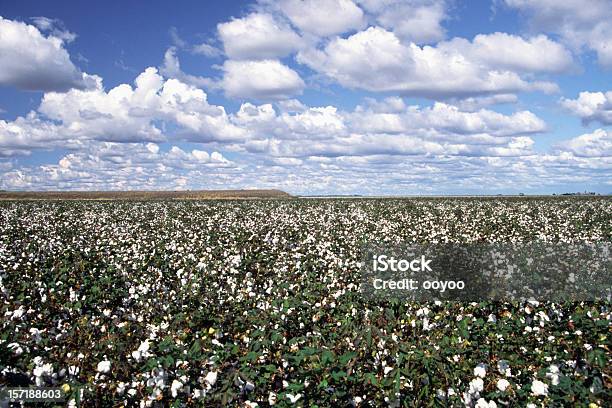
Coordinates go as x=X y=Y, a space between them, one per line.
x=257 y=303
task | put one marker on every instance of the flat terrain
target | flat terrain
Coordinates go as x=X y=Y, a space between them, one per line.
x=232 y=303
x=143 y=195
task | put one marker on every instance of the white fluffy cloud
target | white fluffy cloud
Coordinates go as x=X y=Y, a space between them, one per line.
x=381 y=147
x=261 y=79
x=108 y=169
x=257 y=36
x=447 y=119
x=171 y=68
x=128 y=113
x=511 y=52
x=581 y=23
x=386 y=127
x=134 y=114
x=112 y=166
x=596 y=144
x=324 y=17
x=478 y=102
x=591 y=106
x=312 y=123
x=54 y=27
x=419 y=21
x=390 y=116
x=123 y=114
x=27 y=133
x=376 y=60
x=31 y=61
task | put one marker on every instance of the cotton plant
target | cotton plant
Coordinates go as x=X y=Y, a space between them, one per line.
x=258 y=303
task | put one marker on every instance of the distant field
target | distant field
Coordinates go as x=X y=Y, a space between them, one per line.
x=142 y=195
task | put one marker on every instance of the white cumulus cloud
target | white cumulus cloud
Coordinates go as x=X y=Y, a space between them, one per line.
x=419 y=21
x=261 y=79
x=591 y=106
x=31 y=61
x=324 y=17
x=580 y=23
x=257 y=36
x=386 y=127
x=171 y=68
x=125 y=113
x=376 y=60
x=514 y=53
x=596 y=144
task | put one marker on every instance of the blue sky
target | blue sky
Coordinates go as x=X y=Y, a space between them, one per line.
x=312 y=97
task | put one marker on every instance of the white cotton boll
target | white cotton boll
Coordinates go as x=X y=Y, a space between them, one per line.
x=553 y=374
x=422 y=312
x=121 y=388
x=142 y=352
x=42 y=371
x=272 y=398
x=503 y=384
x=175 y=388
x=211 y=378
x=198 y=393
x=539 y=388
x=476 y=385
x=18 y=312
x=104 y=367
x=35 y=334
x=480 y=370
x=293 y=398
x=15 y=348
x=73 y=295
x=482 y=403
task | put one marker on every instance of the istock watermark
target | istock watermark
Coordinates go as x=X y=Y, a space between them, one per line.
x=475 y=272
x=384 y=263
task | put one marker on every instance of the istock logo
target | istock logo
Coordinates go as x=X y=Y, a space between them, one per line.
x=384 y=263
x=536 y=270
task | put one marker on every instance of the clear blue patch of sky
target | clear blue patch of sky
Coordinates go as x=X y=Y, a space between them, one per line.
x=36 y=157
